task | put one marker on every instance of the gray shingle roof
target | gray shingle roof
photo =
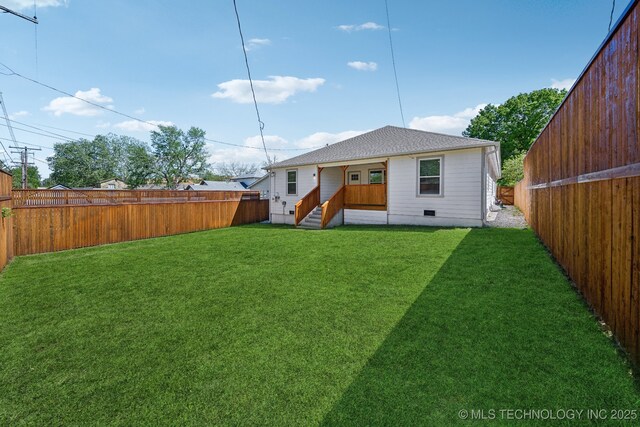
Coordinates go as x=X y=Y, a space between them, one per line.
x=217 y=186
x=384 y=142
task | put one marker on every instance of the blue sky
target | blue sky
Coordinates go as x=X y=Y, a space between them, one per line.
x=322 y=68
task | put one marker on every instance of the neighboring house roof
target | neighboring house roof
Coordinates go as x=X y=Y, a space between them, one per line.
x=111 y=179
x=247 y=177
x=259 y=180
x=151 y=187
x=384 y=142
x=58 y=187
x=217 y=186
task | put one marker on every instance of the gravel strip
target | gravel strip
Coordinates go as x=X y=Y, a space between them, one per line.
x=508 y=217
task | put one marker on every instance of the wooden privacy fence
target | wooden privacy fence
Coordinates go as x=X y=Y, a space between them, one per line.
x=111 y=197
x=581 y=190
x=505 y=194
x=96 y=217
x=6 y=222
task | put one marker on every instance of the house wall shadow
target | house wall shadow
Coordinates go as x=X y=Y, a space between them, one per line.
x=498 y=327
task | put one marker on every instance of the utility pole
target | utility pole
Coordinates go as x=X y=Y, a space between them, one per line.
x=24 y=161
x=18 y=14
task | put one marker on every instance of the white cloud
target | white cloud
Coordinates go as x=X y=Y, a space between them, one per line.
x=70 y=105
x=562 y=84
x=320 y=139
x=18 y=114
x=136 y=126
x=276 y=90
x=28 y=4
x=219 y=153
x=366 y=26
x=256 y=43
x=453 y=124
x=140 y=111
x=269 y=140
x=363 y=66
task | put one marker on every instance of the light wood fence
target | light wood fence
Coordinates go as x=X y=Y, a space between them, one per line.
x=6 y=222
x=95 y=217
x=505 y=194
x=581 y=191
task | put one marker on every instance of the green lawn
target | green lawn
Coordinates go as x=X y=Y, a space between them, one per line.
x=272 y=325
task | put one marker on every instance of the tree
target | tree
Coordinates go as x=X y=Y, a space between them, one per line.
x=179 y=155
x=33 y=177
x=517 y=122
x=84 y=163
x=513 y=169
x=233 y=169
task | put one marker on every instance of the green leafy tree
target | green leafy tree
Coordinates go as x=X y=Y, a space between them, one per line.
x=179 y=155
x=33 y=177
x=84 y=163
x=517 y=122
x=513 y=169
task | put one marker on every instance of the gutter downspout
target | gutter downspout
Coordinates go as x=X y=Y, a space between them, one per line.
x=484 y=179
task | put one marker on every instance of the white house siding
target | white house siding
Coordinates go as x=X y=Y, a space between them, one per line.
x=358 y=216
x=330 y=181
x=306 y=182
x=264 y=187
x=461 y=203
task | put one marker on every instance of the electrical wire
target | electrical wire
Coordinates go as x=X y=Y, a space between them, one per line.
x=35 y=16
x=13 y=73
x=393 y=62
x=613 y=7
x=253 y=92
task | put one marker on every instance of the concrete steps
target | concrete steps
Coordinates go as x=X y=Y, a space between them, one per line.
x=312 y=221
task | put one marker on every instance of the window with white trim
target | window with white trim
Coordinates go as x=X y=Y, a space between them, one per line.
x=292 y=182
x=376 y=176
x=430 y=177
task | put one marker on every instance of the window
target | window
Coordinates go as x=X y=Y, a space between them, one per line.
x=292 y=183
x=376 y=176
x=430 y=177
x=111 y=186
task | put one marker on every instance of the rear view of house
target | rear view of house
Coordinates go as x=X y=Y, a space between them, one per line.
x=390 y=175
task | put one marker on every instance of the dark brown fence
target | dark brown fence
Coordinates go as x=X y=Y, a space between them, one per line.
x=505 y=194
x=581 y=191
x=6 y=221
x=43 y=224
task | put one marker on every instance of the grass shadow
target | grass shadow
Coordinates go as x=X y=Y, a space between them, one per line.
x=498 y=327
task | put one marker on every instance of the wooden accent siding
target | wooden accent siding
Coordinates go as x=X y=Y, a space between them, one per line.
x=48 y=228
x=581 y=190
x=365 y=196
x=6 y=224
x=332 y=206
x=307 y=204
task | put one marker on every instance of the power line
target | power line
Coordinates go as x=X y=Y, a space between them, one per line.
x=13 y=73
x=393 y=62
x=253 y=92
x=613 y=7
x=6 y=117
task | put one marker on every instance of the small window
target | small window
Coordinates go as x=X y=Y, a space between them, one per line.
x=354 y=177
x=292 y=182
x=111 y=186
x=376 y=176
x=430 y=177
